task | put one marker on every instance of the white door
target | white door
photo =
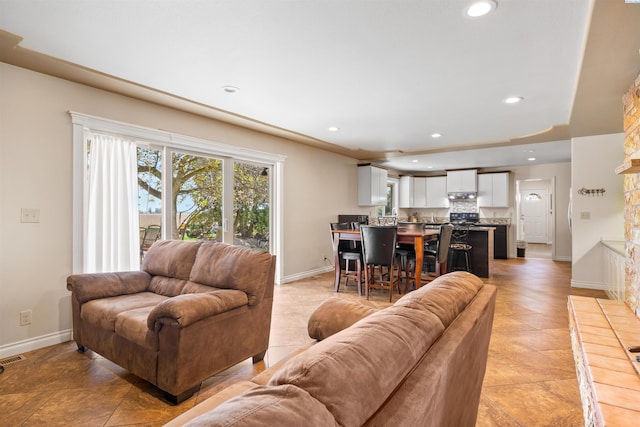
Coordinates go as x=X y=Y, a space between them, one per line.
x=533 y=215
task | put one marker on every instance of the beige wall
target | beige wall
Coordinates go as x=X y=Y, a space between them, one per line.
x=36 y=172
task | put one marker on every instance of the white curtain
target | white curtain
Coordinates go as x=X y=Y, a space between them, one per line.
x=112 y=235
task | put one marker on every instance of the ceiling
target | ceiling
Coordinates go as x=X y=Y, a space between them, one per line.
x=388 y=74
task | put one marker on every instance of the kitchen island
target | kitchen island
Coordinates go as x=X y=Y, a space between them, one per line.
x=481 y=238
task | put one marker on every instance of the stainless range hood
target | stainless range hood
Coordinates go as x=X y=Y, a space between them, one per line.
x=462 y=184
x=461 y=196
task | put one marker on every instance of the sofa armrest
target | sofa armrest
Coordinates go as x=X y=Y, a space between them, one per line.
x=92 y=286
x=334 y=315
x=185 y=309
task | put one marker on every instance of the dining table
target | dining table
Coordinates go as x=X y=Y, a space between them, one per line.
x=405 y=235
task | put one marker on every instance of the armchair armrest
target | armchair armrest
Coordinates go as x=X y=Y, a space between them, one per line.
x=91 y=286
x=334 y=315
x=186 y=309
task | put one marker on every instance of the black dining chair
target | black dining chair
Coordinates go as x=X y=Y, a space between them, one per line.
x=378 y=253
x=438 y=253
x=348 y=253
x=404 y=251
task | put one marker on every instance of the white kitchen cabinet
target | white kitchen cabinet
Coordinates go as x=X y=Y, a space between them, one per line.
x=463 y=181
x=419 y=192
x=372 y=186
x=405 y=196
x=493 y=190
x=437 y=192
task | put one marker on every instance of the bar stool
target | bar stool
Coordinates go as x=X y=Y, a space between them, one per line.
x=349 y=254
x=459 y=244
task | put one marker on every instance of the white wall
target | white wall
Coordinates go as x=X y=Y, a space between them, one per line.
x=36 y=172
x=594 y=159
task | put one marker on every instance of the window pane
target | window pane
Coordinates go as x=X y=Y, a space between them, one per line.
x=197 y=197
x=149 y=187
x=251 y=206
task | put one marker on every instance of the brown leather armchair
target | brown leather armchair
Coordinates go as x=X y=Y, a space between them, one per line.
x=194 y=309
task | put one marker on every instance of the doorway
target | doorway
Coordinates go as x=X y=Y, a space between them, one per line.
x=535 y=216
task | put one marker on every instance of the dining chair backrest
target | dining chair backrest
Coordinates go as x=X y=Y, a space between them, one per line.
x=343 y=245
x=444 y=240
x=379 y=244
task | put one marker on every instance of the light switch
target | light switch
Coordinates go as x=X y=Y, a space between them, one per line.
x=29 y=215
x=585 y=215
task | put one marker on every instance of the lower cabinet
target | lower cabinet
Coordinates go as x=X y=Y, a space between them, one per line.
x=500 y=242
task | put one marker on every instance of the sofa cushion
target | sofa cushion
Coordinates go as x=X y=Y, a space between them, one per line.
x=167 y=286
x=103 y=312
x=193 y=288
x=334 y=315
x=186 y=309
x=445 y=297
x=364 y=372
x=171 y=258
x=268 y=407
x=132 y=325
x=232 y=267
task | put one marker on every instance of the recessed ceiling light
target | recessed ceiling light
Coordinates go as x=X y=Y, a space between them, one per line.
x=415 y=161
x=334 y=129
x=531 y=159
x=513 y=100
x=480 y=8
x=429 y=167
x=230 y=89
x=436 y=135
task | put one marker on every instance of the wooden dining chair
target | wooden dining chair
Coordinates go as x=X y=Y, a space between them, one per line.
x=379 y=252
x=348 y=254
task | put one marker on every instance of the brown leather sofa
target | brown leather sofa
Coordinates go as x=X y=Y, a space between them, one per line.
x=420 y=362
x=194 y=309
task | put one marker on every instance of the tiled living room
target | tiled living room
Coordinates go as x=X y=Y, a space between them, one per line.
x=530 y=377
x=535 y=373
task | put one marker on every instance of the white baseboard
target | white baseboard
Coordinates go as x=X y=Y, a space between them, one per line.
x=562 y=258
x=305 y=274
x=36 y=343
x=588 y=285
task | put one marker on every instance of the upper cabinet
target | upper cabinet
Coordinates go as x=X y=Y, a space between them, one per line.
x=372 y=186
x=463 y=181
x=437 y=192
x=493 y=190
x=405 y=196
x=420 y=192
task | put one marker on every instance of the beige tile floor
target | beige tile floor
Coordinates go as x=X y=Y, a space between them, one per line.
x=530 y=378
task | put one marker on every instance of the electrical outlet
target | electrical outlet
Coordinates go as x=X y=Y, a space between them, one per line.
x=30 y=215
x=25 y=317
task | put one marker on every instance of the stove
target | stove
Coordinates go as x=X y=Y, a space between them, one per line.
x=463 y=218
